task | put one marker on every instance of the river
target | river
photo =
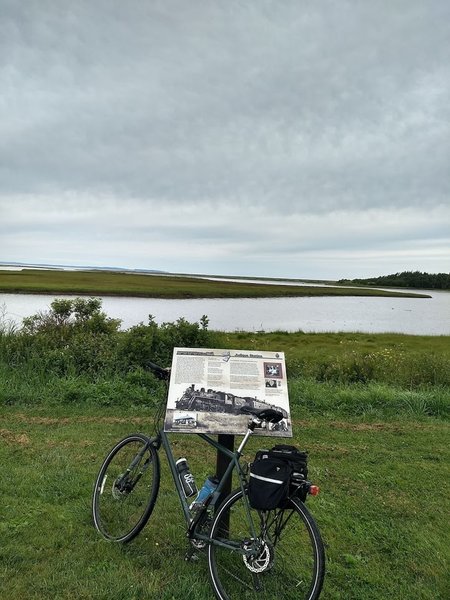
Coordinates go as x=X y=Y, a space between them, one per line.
x=418 y=316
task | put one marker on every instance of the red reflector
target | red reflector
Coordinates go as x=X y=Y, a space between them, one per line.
x=314 y=490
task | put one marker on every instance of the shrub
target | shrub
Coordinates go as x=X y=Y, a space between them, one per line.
x=76 y=338
x=67 y=317
x=143 y=343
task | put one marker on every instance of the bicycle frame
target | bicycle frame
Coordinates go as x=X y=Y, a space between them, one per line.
x=234 y=465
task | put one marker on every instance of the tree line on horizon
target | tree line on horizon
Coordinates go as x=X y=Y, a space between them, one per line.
x=411 y=279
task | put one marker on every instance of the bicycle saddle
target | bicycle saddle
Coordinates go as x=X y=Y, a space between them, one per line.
x=266 y=414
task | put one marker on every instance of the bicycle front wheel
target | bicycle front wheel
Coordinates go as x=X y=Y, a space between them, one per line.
x=280 y=556
x=126 y=489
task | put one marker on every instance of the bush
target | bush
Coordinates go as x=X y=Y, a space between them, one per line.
x=143 y=343
x=75 y=338
x=68 y=317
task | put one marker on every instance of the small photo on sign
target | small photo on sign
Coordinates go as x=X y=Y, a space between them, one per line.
x=273 y=370
x=184 y=419
x=272 y=383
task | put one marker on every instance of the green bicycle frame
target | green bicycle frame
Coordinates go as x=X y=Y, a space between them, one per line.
x=233 y=464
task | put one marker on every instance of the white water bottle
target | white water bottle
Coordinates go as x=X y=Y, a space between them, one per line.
x=186 y=478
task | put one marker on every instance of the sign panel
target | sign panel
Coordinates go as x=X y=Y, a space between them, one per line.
x=209 y=387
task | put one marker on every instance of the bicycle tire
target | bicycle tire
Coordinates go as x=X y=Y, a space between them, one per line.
x=126 y=489
x=287 y=565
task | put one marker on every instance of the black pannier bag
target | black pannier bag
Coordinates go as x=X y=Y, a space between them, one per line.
x=275 y=475
x=269 y=482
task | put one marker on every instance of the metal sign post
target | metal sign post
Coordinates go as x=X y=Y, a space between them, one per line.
x=221 y=466
x=223 y=461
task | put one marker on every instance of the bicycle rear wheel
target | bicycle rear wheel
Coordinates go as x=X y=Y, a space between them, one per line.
x=126 y=489
x=283 y=557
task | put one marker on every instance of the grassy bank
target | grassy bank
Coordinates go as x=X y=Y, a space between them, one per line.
x=372 y=410
x=35 y=281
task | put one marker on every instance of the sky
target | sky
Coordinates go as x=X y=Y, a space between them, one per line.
x=268 y=138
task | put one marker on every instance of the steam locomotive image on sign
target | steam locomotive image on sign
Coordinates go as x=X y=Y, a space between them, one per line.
x=209 y=400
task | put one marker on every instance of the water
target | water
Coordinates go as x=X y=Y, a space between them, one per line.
x=310 y=314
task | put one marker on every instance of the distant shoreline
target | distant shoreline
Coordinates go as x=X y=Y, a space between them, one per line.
x=171 y=286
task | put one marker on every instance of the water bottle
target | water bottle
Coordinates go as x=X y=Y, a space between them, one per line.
x=207 y=490
x=186 y=478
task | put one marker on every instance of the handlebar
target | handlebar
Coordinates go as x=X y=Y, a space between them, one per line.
x=160 y=372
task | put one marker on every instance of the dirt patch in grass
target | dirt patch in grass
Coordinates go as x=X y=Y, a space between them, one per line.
x=14 y=438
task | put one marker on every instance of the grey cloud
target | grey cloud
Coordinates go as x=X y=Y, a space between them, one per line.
x=306 y=105
x=299 y=108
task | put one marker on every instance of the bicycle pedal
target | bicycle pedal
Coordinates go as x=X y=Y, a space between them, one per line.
x=191 y=556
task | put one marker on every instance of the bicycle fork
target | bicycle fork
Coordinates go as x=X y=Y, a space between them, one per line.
x=124 y=484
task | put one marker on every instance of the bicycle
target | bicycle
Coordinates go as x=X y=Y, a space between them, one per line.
x=251 y=553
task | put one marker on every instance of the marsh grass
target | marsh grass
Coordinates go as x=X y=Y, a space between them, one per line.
x=158 y=286
x=405 y=361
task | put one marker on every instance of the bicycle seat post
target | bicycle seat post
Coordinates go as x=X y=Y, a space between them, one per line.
x=252 y=424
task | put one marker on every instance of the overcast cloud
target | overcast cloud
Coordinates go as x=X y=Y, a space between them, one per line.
x=301 y=139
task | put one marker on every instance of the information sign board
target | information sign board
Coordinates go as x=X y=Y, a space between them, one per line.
x=208 y=387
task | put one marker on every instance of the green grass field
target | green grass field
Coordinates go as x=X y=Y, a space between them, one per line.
x=158 y=286
x=382 y=510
